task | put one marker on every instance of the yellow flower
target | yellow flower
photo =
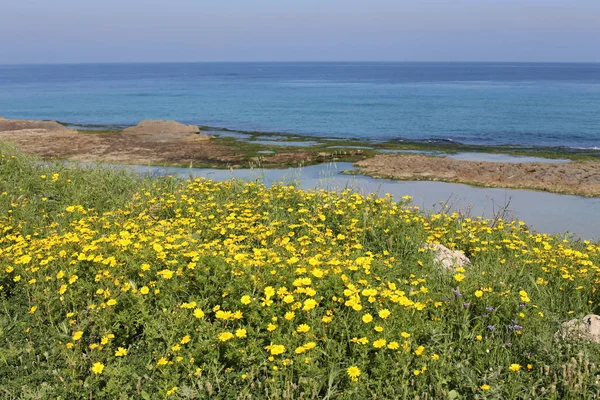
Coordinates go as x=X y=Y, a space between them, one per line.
x=246 y=300
x=165 y=273
x=303 y=328
x=225 y=336
x=353 y=372
x=185 y=339
x=172 y=391
x=383 y=314
x=144 y=290
x=309 y=304
x=240 y=333
x=514 y=367
x=111 y=302
x=378 y=344
x=478 y=293
x=289 y=315
x=419 y=350
x=162 y=361
x=367 y=318
x=309 y=345
x=77 y=335
x=121 y=352
x=275 y=349
x=288 y=298
x=271 y=327
x=97 y=368
x=157 y=247
x=524 y=296
x=485 y=387
x=198 y=313
x=269 y=292
x=405 y=335
x=459 y=277
x=393 y=345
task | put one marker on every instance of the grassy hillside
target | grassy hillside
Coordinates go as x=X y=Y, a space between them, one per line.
x=120 y=287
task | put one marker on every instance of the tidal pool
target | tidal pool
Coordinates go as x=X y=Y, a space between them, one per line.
x=542 y=211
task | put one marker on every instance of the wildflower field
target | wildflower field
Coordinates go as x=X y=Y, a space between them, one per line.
x=115 y=286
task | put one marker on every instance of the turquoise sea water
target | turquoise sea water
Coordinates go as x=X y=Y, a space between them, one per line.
x=479 y=103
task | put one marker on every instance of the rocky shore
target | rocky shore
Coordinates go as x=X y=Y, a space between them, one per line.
x=155 y=142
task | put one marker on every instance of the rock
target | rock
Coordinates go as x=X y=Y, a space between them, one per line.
x=586 y=329
x=447 y=258
x=161 y=127
x=7 y=125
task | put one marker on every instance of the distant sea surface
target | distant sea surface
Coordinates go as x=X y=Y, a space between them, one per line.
x=554 y=105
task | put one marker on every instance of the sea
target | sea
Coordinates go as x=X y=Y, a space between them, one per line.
x=514 y=104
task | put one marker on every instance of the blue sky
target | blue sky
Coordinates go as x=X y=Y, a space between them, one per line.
x=55 y=31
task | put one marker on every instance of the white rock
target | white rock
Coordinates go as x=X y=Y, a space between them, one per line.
x=586 y=329
x=447 y=258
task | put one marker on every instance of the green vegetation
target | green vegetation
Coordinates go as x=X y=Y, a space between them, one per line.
x=115 y=286
x=325 y=149
x=444 y=147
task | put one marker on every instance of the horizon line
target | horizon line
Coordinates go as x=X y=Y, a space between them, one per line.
x=299 y=62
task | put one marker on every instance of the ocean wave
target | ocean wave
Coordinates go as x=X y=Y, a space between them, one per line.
x=582 y=148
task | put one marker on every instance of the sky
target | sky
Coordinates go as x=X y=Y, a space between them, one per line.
x=76 y=31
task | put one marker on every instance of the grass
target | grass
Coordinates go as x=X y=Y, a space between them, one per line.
x=115 y=286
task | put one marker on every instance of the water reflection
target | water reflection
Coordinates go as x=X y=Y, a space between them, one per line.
x=545 y=212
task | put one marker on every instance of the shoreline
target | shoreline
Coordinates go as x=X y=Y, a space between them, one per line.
x=444 y=145
x=556 y=170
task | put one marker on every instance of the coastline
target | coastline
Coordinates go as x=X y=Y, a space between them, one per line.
x=557 y=170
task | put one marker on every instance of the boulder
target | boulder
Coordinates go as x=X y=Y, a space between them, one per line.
x=447 y=258
x=586 y=329
x=147 y=127
x=7 y=125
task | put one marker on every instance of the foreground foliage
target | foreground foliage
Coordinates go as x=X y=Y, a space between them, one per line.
x=114 y=286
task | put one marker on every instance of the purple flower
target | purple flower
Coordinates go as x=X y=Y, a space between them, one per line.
x=515 y=327
x=466 y=305
x=457 y=293
x=508 y=344
x=490 y=309
x=491 y=328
